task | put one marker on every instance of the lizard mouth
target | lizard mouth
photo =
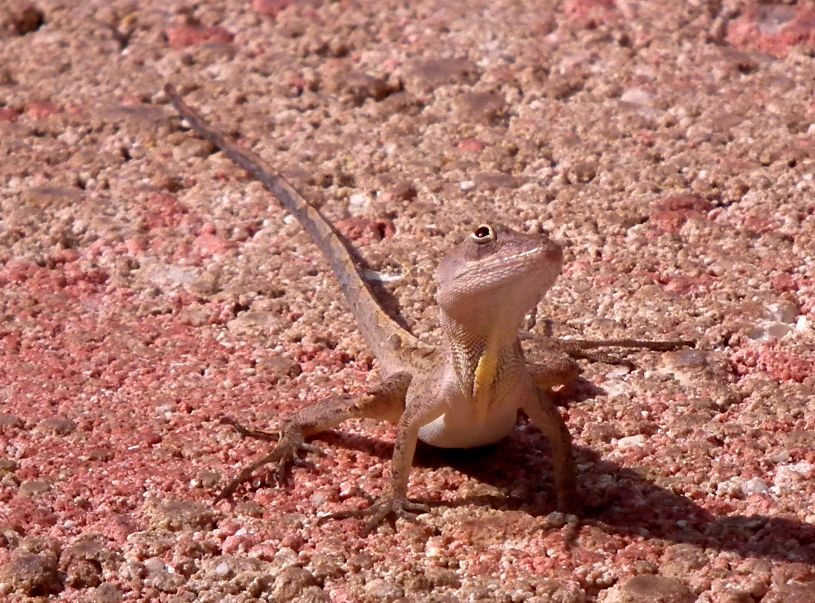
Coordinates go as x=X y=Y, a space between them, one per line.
x=501 y=265
x=532 y=264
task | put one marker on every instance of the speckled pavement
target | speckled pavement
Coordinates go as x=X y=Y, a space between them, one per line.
x=150 y=288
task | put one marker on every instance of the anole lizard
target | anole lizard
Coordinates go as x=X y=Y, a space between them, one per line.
x=466 y=392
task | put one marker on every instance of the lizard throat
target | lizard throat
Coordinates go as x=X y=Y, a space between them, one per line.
x=484 y=360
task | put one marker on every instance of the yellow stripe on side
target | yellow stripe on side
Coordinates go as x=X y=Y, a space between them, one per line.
x=484 y=378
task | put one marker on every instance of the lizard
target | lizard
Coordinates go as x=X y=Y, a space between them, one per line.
x=465 y=393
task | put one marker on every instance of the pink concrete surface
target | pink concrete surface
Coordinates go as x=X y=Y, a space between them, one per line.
x=148 y=288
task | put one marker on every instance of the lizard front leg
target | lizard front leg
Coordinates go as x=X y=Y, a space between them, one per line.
x=384 y=401
x=394 y=503
x=546 y=417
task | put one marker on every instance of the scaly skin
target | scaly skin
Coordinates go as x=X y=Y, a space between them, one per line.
x=467 y=392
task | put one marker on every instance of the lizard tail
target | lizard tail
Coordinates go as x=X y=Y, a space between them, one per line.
x=386 y=339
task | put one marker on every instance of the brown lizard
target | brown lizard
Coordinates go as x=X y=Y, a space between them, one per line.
x=463 y=394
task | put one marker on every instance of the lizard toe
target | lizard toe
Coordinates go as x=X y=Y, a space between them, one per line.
x=387 y=507
x=286 y=454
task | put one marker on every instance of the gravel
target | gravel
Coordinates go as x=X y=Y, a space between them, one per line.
x=149 y=288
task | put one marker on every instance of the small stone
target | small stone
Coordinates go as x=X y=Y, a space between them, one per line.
x=41 y=545
x=789 y=476
x=249 y=508
x=785 y=311
x=635 y=441
x=10 y=421
x=563 y=86
x=100 y=453
x=106 y=593
x=222 y=570
x=382 y=590
x=27 y=20
x=270 y=8
x=591 y=13
x=354 y=87
x=161 y=576
x=8 y=115
x=31 y=574
x=794 y=592
x=649 y=589
x=34 y=488
x=671 y=213
x=290 y=582
x=57 y=426
x=428 y=75
x=167 y=582
x=481 y=107
x=582 y=172
x=404 y=191
x=42 y=109
x=491 y=181
x=8 y=466
x=312 y=594
x=193 y=35
x=755 y=485
x=471 y=145
x=686 y=358
x=774 y=29
x=277 y=366
x=208 y=479
x=83 y=561
x=154 y=566
x=177 y=515
x=366 y=230
x=637 y=97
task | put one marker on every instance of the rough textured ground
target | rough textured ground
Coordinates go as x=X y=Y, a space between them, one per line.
x=148 y=288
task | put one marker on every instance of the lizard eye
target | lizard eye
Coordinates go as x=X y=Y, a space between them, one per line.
x=483 y=234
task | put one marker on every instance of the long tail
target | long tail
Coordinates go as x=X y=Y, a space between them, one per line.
x=386 y=339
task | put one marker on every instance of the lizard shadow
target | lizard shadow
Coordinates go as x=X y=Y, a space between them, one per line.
x=617 y=499
x=625 y=502
x=620 y=500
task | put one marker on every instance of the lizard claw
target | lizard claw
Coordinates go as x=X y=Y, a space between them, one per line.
x=386 y=507
x=248 y=432
x=286 y=454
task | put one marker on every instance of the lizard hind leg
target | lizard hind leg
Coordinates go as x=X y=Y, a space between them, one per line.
x=384 y=401
x=555 y=369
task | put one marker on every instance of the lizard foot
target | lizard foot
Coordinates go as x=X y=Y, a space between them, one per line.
x=386 y=507
x=286 y=454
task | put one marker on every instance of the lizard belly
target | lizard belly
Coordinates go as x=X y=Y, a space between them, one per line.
x=458 y=427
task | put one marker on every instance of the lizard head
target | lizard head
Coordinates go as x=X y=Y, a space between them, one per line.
x=497 y=270
x=486 y=285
